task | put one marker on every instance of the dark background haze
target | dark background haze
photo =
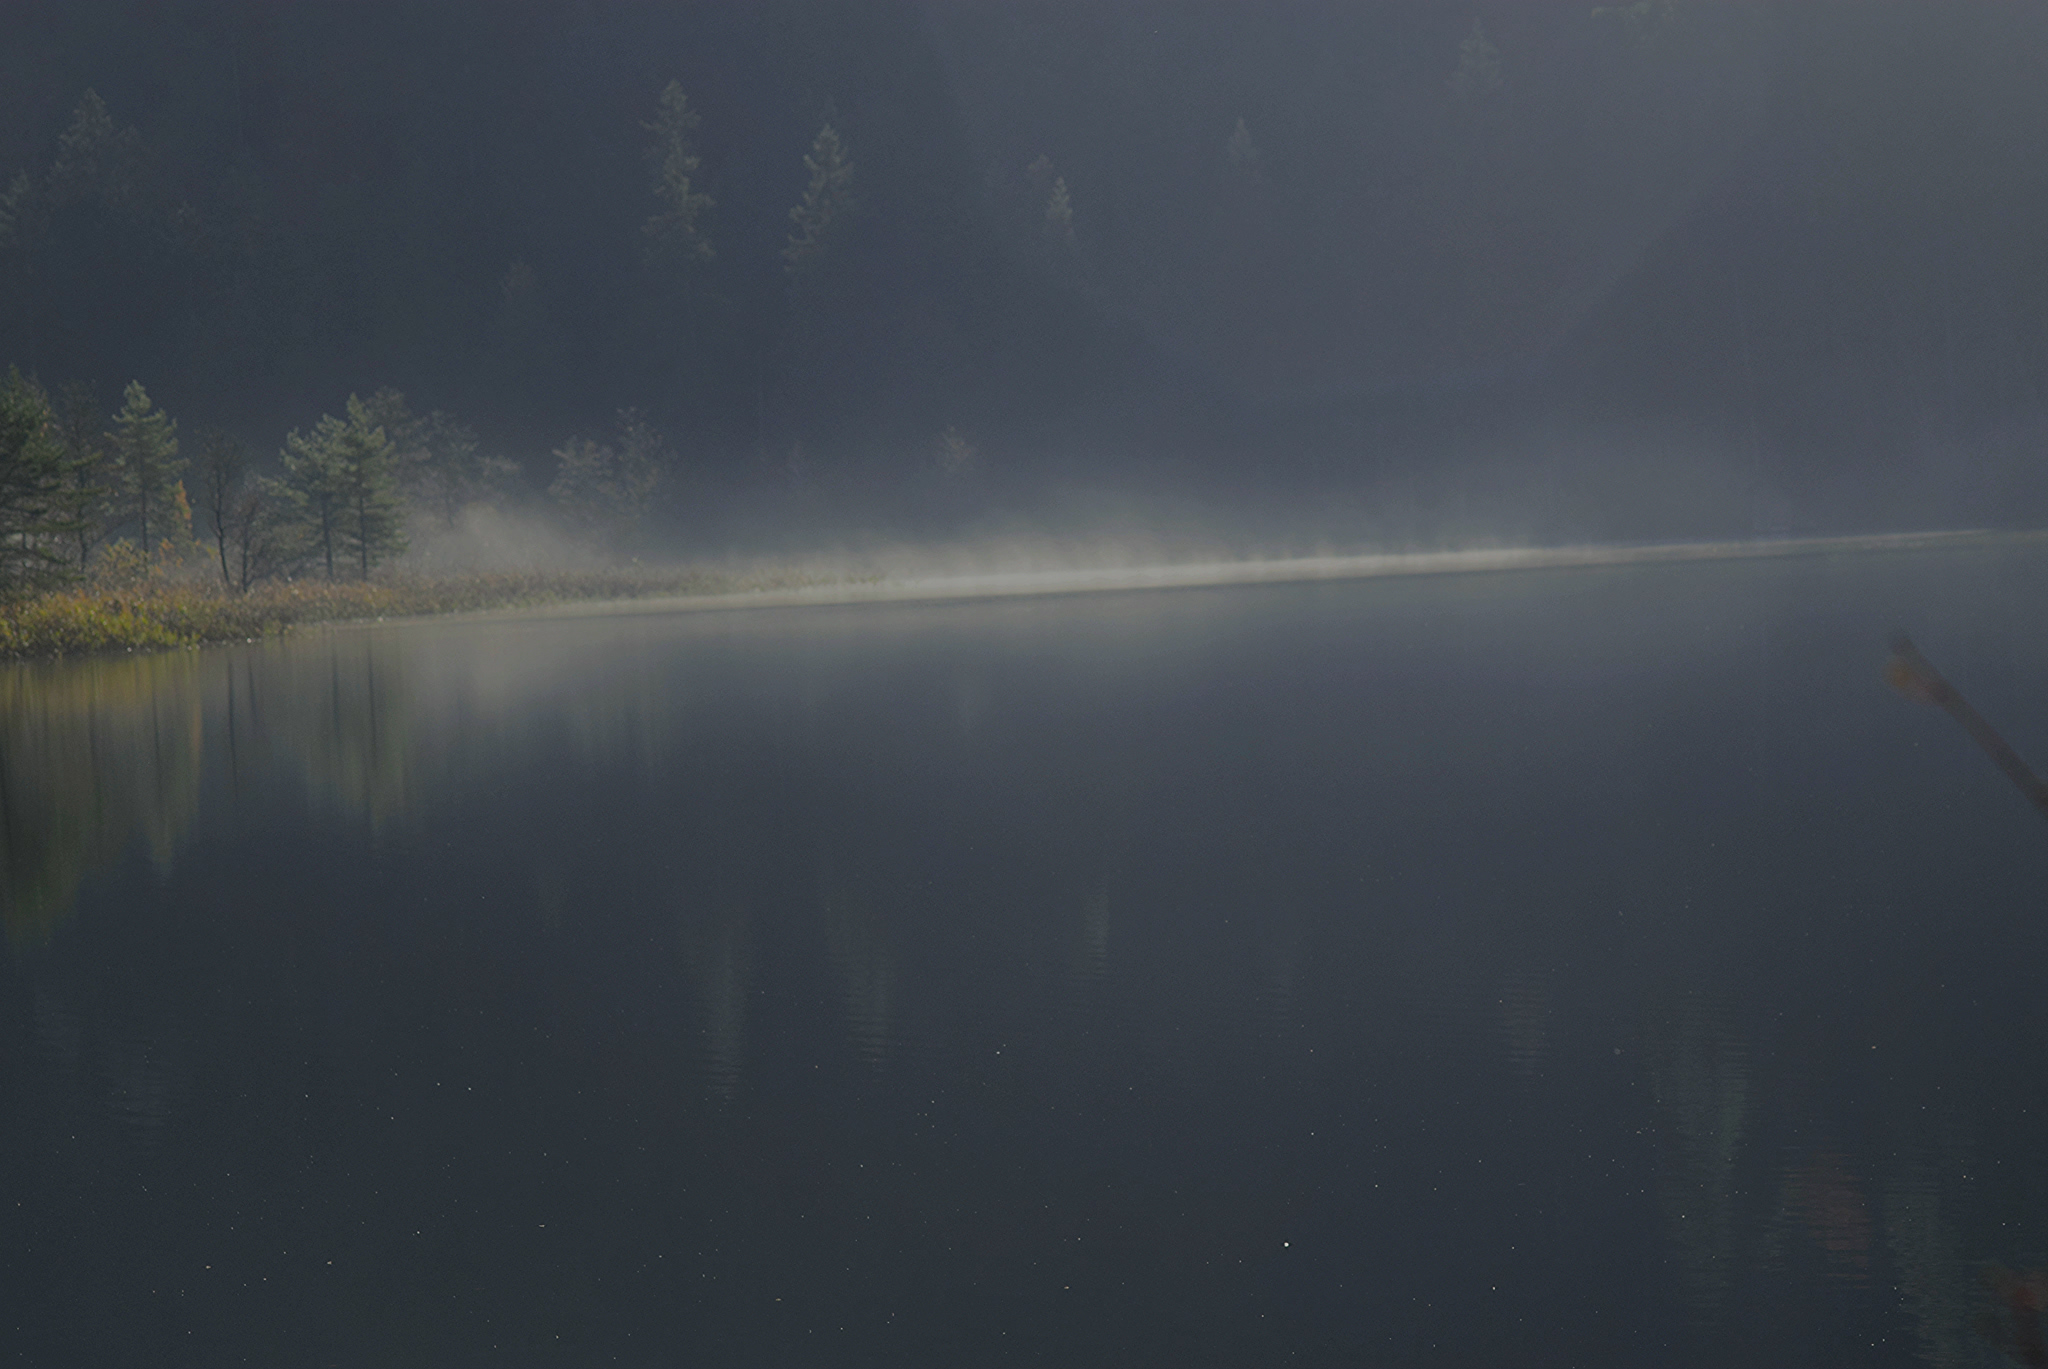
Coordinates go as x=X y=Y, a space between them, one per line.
x=1518 y=270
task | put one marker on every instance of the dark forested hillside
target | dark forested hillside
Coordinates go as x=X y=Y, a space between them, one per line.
x=1331 y=237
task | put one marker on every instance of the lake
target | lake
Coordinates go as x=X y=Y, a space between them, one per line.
x=1577 y=967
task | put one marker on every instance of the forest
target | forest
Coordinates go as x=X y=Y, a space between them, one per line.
x=690 y=274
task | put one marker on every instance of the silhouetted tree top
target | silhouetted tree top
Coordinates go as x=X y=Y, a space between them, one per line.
x=343 y=472
x=148 y=494
x=95 y=160
x=37 y=511
x=676 y=232
x=828 y=199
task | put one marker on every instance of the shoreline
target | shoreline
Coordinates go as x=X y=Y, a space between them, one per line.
x=167 y=617
x=164 y=614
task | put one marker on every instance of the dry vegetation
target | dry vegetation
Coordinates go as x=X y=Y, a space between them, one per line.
x=162 y=613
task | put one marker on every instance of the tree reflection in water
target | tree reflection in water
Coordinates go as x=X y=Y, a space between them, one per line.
x=1700 y=1075
x=102 y=755
x=765 y=907
x=93 y=755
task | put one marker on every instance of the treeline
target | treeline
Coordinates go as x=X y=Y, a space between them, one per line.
x=121 y=496
x=82 y=492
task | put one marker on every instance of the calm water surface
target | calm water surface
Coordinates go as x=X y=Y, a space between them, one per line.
x=1575 y=968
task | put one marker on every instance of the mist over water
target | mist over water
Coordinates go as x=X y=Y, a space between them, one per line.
x=1597 y=965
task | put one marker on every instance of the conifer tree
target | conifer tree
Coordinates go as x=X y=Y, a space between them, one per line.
x=17 y=210
x=1478 y=72
x=342 y=471
x=146 y=469
x=674 y=233
x=1053 y=239
x=405 y=432
x=387 y=409
x=828 y=198
x=311 y=473
x=456 y=472
x=35 y=517
x=89 y=468
x=374 y=527
x=1059 y=219
x=96 y=162
x=438 y=462
x=606 y=491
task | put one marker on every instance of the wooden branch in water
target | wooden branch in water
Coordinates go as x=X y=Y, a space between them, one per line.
x=1914 y=676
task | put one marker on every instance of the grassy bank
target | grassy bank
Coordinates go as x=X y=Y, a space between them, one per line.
x=162 y=615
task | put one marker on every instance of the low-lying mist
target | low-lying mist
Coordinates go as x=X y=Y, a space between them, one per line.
x=1545 y=500
x=1037 y=514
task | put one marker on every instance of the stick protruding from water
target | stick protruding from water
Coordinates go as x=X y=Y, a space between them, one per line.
x=1914 y=676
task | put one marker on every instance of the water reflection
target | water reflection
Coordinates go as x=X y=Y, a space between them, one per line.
x=1937 y=1284
x=102 y=756
x=1700 y=1075
x=343 y=717
x=1212 y=980
x=1089 y=966
x=1896 y=1214
x=715 y=948
x=94 y=756
x=1825 y=1195
x=2015 y=1327
x=856 y=940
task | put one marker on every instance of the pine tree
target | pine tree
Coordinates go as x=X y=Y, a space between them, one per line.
x=438 y=462
x=310 y=471
x=146 y=469
x=1059 y=219
x=828 y=198
x=35 y=518
x=343 y=472
x=405 y=431
x=675 y=233
x=606 y=491
x=1478 y=70
x=96 y=162
x=374 y=525
x=1053 y=238
x=91 y=475
x=17 y=211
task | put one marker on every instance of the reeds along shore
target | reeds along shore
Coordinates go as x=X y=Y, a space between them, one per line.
x=164 y=614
